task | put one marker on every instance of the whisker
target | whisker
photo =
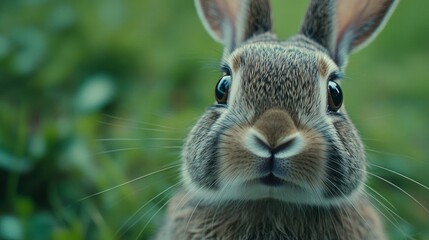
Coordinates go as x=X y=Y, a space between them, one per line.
x=405 y=192
x=390 y=220
x=138 y=128
x=390 y=154
x=382 y=197
x=97 y=217
x=371 y=139
x=396 y=186
x=389 y=210
x=400 y=174
x=138 y=122
x=400 y=189
x=138 y=139
x=150 y=219
x=125 y=183
x=138 y=148
x=120 y=150
x=138 y=210
x=344 y=195
x=192 y=214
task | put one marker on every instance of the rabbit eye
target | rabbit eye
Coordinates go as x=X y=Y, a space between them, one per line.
x=335 y=96
x=222 y=89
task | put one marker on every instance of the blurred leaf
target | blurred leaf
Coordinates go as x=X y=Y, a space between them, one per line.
x=37 y=145
x=5 y=47
x=32 y=48
x=24 y=207
x=72 y=233
x=77 y=157
x=111 y=13
x=94 y=93
x=62 y=17
x=10 y=228
x=13 y=163
x=40 y=226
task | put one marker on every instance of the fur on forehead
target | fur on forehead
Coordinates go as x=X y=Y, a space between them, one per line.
x=278 y=75
x=264 y=58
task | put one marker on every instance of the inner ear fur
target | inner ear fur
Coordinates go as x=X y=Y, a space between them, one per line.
x=231 y=22
x=343 y=26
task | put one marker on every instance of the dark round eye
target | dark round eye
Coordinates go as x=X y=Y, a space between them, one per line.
x=335 y=96
x=222 y=89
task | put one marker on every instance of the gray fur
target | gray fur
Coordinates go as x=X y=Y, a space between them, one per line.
x=275 y=82
x=260 y=220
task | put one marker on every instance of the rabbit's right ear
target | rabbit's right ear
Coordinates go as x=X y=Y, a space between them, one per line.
x=231 y=22
x=343 y=26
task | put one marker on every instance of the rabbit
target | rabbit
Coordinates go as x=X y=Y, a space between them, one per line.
x=276 y=156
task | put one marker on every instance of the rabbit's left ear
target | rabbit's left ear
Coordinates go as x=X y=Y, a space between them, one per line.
x=231 y=22
x=343 y=26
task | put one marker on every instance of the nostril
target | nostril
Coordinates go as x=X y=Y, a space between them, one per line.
x=261 y=142
x=257 y=144
x=289 y=143
x=289 y=146
x=284 y=147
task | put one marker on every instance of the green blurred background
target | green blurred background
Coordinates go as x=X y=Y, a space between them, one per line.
x=96 y=93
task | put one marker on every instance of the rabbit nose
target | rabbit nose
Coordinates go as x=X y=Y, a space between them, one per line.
x=287 y=146
x=274 y=125
x=274 y=135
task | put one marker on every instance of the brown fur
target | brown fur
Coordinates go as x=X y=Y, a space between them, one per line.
x=323 y=68
x=270 y=219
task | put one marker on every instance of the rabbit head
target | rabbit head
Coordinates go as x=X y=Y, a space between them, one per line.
x=278 y=129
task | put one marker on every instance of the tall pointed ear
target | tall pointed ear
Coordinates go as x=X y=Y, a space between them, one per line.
x=231 y=22
x=344 y=26
x=359 y=22
x=319 y=22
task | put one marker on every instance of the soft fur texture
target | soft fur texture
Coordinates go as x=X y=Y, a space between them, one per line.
x=274 y=162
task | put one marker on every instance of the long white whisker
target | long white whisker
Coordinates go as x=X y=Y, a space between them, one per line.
x=138 y=210
x=401 y=175
x=389 y=210
x=400 y=189
x=138 y=148
x=388 y=219
x=138 y=128
x=150 y=219
x=348 y=200
x=138 y=122
x=389 y=154
x=127 y=182
x=138 y=139
x=120 y=150
x=378 y=194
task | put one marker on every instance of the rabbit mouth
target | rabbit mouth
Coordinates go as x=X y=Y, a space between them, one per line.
x=272 y=181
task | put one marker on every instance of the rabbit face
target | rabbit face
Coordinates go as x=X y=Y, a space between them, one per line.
x=276 y=138
x=280 y=131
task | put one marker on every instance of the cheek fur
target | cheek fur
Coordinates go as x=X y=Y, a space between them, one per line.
x=200 y=152
x=308 y=168
x=346 y=166
x=235 y=162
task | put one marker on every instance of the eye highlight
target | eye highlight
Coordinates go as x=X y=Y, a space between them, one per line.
x=222 y=89
x=335 y=96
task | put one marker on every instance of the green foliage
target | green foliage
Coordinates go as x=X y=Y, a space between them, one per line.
x=96 y=93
